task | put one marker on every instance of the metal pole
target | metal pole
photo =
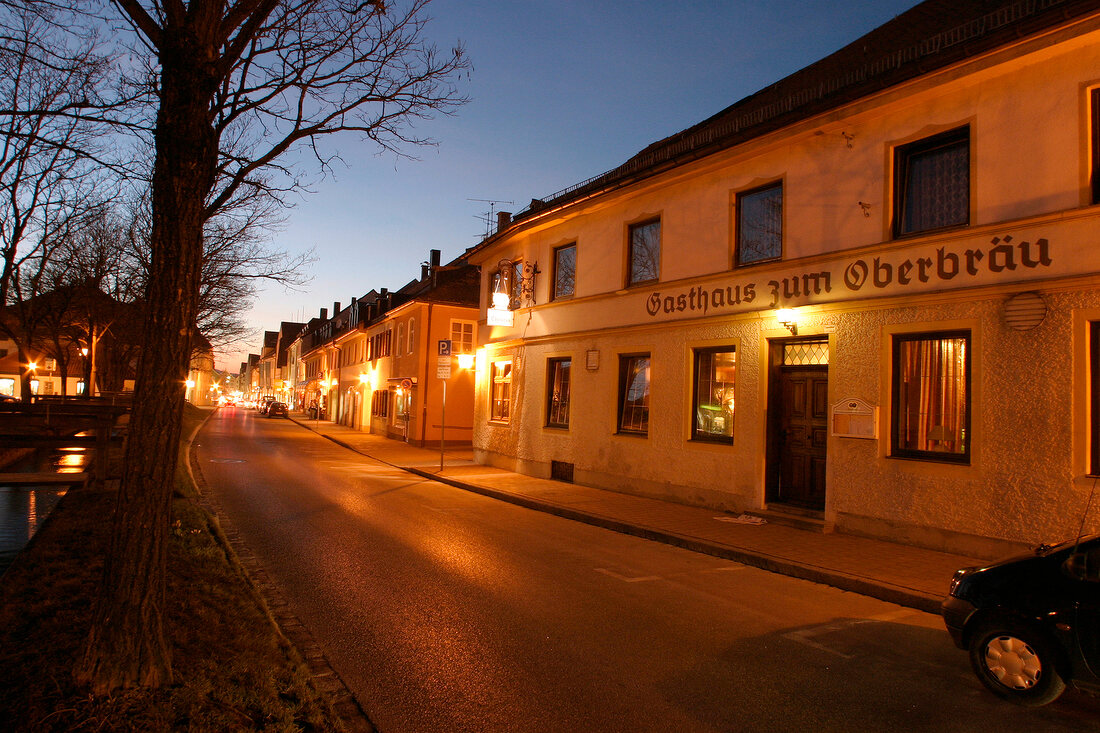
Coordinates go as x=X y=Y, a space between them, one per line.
x=442 y=425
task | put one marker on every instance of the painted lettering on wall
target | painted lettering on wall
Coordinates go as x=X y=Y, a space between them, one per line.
x=863 y=275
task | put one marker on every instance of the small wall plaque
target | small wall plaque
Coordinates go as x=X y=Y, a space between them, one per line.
x=592 y=360
x=854 y=418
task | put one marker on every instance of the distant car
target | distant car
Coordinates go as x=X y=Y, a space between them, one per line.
x=264 y=403
x=1031 y=623
x=276 y=409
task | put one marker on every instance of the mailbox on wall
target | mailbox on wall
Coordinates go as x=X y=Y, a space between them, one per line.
x=854 y=418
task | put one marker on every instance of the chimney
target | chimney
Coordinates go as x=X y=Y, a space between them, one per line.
x=504 y=218
x=324 y=314
x=335 y=308
x=425 y=268
x=434 y=258
x=383 y=294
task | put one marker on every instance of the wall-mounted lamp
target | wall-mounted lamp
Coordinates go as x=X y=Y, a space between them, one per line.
x=501 y=294
x=364 y=379
x=788 y=318
x=466 y=361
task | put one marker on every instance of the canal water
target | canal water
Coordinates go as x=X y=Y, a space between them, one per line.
x=24 y=507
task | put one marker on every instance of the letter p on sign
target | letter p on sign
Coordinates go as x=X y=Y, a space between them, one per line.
x=444 y=347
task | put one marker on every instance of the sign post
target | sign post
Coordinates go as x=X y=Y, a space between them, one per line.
x=443 y=372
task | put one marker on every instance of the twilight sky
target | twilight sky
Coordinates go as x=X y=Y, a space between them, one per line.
x=560 y=92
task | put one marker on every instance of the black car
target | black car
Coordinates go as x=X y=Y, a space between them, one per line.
x=1031 y=623
x=276 y=409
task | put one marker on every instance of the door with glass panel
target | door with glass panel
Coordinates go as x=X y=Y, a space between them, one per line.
x=798 y=424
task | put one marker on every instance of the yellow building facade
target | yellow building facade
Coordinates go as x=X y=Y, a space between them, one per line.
x=862 y=299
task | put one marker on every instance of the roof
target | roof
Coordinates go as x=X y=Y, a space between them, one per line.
x=929 y=36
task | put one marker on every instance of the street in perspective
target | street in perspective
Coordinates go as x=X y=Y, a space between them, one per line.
x=445 y=610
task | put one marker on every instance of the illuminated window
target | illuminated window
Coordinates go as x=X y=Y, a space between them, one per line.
x=634 y=394
x=462 y=337
x=644 y=255
x=931 y=396
x=565 y=271
x=557 y=392
x=400 y=338
x=932 y=183
x=412 y=335
x=760 y=225
x=713 y=394
x=501 y=376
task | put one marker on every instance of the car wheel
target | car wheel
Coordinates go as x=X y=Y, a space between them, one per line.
x=1016 y=663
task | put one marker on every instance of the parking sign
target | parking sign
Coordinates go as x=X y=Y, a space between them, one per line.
x=444 y=347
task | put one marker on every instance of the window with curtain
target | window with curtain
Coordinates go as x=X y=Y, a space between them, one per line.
x=501 y=391
x=931 y=396
x=644 y=255
x=760 y=225
x=557 y=392
x=932 y=183
x=713 y=394
x=634 y=394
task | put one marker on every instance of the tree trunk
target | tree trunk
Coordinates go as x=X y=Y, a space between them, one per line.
x=126 y=645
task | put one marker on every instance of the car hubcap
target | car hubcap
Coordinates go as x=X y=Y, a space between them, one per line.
x=1013 y=662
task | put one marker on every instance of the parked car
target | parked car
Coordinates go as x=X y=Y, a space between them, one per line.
x=264 y=403
x=1031 y=623
x=276 y=409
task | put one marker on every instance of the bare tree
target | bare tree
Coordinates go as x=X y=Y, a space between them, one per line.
x=239 y=84
x=50 y=177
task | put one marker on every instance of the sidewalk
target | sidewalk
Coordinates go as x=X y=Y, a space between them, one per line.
x=909 y=576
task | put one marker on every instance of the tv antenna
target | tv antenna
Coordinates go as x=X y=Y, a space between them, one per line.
x=489 y=217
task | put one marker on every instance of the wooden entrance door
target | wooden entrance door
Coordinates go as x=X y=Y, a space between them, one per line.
x=800 y=437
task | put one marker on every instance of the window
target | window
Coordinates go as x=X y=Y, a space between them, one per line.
x=380 y=345
x=931 y=397
x=400 y=338
x=760 y=225
x=932 y=183
x=412 y=335
x=557 y=392
x=565 y=271
x=1096 y=146
x=380 y=403
x=501 y=408
x=713 y=394
x=515 y=286
x=1094 y=375
x=462 y=337
x=634 y=394
x=644 y=252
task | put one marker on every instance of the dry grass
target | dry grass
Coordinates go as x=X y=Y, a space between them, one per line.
x=233 y=670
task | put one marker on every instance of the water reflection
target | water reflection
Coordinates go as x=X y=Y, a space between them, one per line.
x=24 y=507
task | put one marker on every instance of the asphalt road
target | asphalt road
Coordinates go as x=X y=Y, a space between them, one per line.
x=448 y=611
